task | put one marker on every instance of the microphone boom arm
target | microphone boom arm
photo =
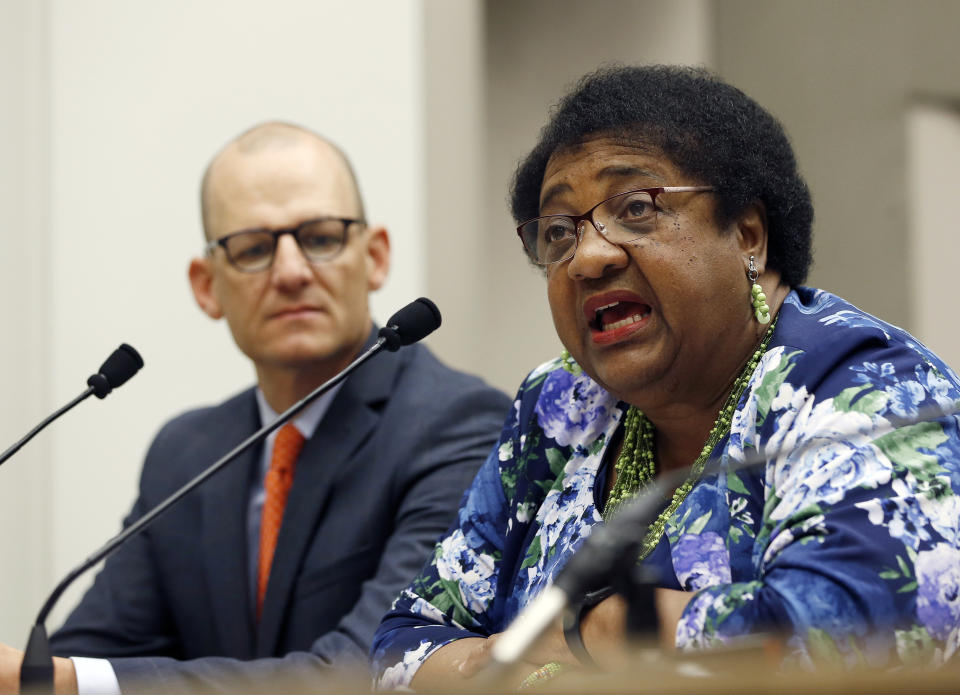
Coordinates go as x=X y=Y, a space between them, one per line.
x=135 y=528
x=46 y=421
x=115 y=371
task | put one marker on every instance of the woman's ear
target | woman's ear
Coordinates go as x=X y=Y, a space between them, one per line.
x=751 y=230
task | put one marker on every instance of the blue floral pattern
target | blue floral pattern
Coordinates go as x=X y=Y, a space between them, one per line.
x=938 y=591
x=848 y=538
x=571 y=408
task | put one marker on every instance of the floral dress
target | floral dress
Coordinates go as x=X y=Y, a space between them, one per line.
x=851 y=546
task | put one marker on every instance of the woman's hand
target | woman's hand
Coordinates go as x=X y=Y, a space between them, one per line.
x=670 y=605
x=467 y=657
x=551 y=646
x=603 y=629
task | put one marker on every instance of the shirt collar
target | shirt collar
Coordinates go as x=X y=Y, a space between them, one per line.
x=308 y=419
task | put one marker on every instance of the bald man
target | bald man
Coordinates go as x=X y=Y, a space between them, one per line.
x=215 y=591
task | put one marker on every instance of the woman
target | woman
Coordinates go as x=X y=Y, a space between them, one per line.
x=674 y=229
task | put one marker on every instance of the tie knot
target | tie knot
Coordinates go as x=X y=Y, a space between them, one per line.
x=286 y=448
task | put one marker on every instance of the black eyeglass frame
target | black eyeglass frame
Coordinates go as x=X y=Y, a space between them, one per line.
x=222 y=242
x=588 y=217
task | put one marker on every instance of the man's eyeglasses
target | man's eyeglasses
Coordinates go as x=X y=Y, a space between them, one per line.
x=620 y=219
x=252 y=250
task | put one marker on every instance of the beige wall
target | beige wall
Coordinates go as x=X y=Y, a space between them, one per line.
x=24 y=304
x=933 y=176
x=454 y=119
x=842 y=76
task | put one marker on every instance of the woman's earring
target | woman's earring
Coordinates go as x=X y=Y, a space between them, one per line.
x=757 y=298
x=570 y=364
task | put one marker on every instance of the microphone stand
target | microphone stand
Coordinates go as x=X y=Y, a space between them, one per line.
x=609 y=553
x=46 y=421
x=36 y=673
x=116 y=370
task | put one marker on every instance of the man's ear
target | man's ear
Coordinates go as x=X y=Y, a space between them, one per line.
x=751 y=230
x=378 y=257
x=201 y=282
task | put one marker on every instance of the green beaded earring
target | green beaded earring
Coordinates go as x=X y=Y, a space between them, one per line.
x=570 y=364
x=757 y=298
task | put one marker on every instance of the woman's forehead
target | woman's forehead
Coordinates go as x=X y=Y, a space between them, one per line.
x=596 y=150
x=603 y=160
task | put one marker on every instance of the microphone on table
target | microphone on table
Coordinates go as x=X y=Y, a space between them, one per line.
x=609 y=555
x=116 y=370
x=410 y=324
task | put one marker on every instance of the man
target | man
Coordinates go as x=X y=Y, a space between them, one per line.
x=378 y=466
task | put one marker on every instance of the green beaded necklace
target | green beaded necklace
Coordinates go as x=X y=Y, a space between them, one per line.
x=636 y=466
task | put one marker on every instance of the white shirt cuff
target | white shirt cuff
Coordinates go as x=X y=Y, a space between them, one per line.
x=95 y=676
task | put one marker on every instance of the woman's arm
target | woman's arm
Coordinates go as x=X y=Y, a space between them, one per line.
x=444 y=664
x=859 y=529
x=602 y=628
x=449 y=601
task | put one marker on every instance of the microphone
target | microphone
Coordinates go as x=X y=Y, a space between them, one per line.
x=116 y=370
x=410 y=324
x=611 y=549
x=415 y=321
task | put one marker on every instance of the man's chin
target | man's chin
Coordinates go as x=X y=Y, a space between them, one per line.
x=307 y=357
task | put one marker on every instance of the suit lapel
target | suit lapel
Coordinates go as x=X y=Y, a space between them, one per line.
x=224 y=533
x=353 y=415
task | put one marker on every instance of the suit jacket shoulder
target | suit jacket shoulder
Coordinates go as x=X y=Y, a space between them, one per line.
x=189 y=442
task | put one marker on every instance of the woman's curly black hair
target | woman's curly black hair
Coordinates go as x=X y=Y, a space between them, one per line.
x=709 y=129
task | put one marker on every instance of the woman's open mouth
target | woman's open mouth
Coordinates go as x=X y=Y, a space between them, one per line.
x=616 y=319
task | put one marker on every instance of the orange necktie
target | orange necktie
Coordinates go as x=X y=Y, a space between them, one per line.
x=277 y=484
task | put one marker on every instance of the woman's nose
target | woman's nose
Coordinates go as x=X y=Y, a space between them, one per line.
x=595 y=255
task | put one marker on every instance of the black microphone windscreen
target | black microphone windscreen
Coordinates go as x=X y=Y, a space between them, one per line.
x=122 y=364
x=415 y=321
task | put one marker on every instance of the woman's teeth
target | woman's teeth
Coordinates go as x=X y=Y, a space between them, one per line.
x=624 y=322
x=612 y=316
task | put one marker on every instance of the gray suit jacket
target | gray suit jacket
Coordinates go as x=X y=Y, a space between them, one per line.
x=374 y=487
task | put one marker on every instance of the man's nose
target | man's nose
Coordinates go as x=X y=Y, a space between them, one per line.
x=290 y=266
x=595 y=255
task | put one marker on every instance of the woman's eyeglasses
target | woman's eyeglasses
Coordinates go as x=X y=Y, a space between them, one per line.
x=620 y=219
